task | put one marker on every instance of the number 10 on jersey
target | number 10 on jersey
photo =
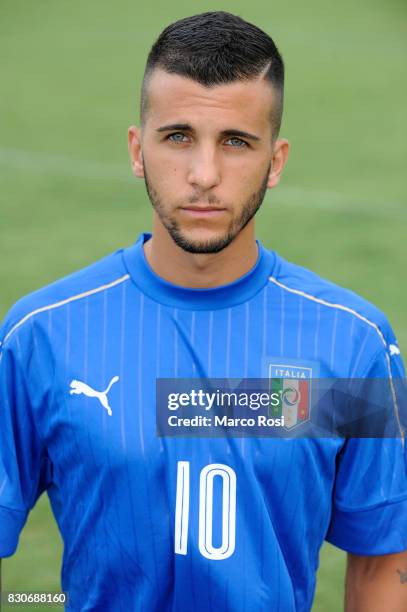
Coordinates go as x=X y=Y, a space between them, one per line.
x=206 y=518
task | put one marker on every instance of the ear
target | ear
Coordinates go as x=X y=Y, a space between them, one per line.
x=136 y=155
x=279 y=158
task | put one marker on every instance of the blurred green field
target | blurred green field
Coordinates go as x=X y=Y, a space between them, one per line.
x=70 y=73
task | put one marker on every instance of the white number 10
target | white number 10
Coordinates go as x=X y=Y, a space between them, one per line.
x=207 y=475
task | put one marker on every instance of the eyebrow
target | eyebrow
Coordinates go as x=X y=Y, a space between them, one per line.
x=187 y=128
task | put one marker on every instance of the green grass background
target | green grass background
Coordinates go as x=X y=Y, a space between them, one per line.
x=69 y=86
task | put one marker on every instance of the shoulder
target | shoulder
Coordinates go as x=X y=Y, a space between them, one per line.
x=299 y=283
x=100 y=276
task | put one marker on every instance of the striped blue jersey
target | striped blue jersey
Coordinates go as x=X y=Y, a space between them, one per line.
x=188 y=523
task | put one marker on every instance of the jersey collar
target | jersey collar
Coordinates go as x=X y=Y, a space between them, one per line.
x=214 y=298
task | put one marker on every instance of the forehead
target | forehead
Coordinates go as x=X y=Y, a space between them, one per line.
x=241 y=104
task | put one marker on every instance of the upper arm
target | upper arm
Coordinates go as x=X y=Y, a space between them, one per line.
x=369 y=565
x=24 y=466
x=376 y=583
x=370 y=493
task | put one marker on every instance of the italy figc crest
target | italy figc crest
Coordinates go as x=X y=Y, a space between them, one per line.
x=292 y=383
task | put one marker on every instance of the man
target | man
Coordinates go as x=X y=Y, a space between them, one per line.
x=195 y=523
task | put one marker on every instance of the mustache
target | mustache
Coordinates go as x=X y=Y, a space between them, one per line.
x=208 y=199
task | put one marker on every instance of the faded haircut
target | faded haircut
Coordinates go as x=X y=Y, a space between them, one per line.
x=215 y=48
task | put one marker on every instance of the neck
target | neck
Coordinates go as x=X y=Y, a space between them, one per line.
x=201 y=270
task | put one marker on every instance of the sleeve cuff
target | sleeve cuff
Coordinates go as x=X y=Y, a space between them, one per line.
x=378 y=531
x=11 y=524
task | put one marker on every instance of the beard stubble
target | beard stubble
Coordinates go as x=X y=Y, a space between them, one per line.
x=217 y=244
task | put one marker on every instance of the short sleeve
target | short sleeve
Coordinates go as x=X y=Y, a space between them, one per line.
x=369 y=515
x=24 y=468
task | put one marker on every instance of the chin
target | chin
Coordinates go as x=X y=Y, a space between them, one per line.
x=201 y=241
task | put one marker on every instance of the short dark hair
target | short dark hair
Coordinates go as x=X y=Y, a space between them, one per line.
x=214 y=48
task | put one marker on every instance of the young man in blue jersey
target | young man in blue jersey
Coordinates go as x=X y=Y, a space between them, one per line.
x=198 y=523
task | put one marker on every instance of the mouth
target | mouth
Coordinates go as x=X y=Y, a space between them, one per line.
x=203 y=211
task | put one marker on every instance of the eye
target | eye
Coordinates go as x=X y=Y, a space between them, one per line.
x=237 y=143
x=176 y=137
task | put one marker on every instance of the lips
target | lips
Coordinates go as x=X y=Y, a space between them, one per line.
x=202 y=208
x=203 y=211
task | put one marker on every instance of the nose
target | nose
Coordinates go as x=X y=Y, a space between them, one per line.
x=204 y=170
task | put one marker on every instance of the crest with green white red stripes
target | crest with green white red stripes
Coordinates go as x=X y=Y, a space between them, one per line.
x=293 y=386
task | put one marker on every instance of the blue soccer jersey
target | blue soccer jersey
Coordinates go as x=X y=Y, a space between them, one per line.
x=186 y=523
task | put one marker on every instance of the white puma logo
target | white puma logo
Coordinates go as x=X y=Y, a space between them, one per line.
x=394 y=349
x=78 y=387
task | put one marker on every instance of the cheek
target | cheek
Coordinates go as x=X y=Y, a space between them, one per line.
x=169 y=178
x=164 y=172
x=244 y=179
